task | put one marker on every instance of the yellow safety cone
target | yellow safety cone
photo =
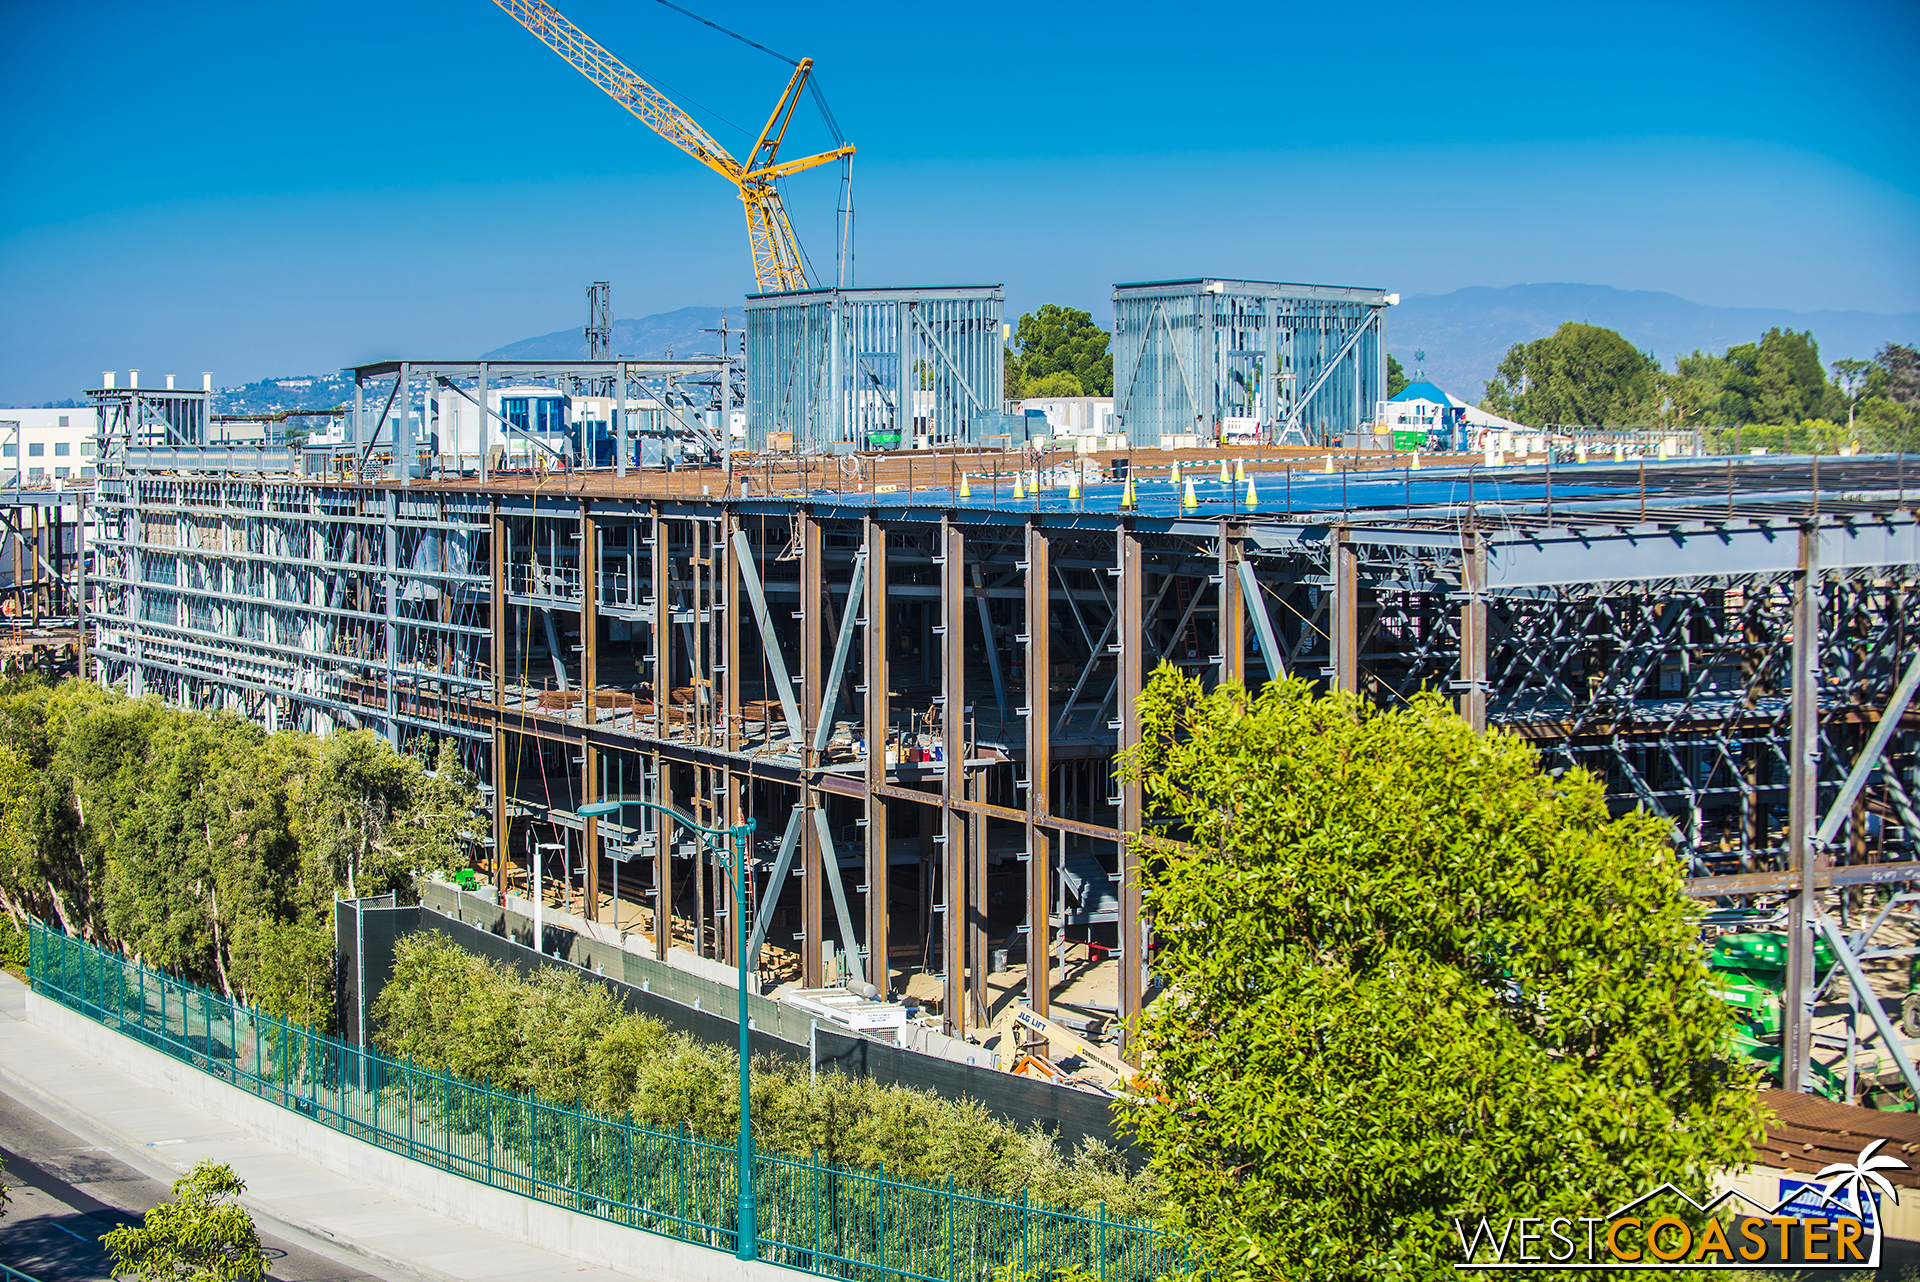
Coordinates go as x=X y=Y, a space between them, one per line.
x=1018 y=492
x=1127 y=499
x=1253 y=495
x=1239 y=470
x=1189 y=501
x=1416 y=460
x=1329 y=462
x=966 y=492
x=1173 y=473
x=1619 y=454
x=1663 y=451
x=1223 y=471
x=1073 y=486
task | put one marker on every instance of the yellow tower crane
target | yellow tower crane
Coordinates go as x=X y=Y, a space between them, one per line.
x=777 y=264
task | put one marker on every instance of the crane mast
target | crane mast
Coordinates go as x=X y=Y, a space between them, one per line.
x=777 y=263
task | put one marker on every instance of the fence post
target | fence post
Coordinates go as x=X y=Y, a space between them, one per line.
x=950 y=1242
x=1101 y=1236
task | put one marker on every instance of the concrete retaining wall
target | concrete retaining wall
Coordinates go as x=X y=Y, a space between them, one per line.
x=582 y=1237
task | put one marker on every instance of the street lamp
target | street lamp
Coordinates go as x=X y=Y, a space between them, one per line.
x=747 y=1237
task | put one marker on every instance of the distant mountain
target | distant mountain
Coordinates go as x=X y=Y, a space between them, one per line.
x=1466 y=334
x=684 y=331
x=290 y=392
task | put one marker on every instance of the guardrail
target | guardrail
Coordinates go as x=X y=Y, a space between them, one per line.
x=813 y=1215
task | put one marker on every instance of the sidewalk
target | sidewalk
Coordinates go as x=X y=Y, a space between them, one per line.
x=162 y=1136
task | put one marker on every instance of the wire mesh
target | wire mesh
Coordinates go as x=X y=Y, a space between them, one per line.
x=814 y=1216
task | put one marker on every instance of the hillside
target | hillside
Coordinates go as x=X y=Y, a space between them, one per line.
x=683 y=332
x=1466 y=333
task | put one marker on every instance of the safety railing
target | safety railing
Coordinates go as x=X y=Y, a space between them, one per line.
x=813 y=1215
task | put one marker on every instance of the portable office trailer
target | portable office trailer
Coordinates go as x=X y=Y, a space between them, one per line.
x=873 y=368
x=1308 y=361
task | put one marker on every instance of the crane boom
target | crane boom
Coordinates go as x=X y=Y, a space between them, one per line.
x=777 y=262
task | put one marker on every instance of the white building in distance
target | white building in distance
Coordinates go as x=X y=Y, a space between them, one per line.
x=45 y=447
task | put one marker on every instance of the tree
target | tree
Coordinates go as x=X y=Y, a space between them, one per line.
x=203 y=1235
x=1581 y=374
x=1397 y=379
x=1850 y=376
x=1408 y=976
x=1778 y=380
x=1690 y=396
x=1058 y=383
x=1063 y=340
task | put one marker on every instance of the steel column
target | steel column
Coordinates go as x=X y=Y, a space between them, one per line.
x=812 y=615
x=1473 y=629
x=1130 y=553
x=874 y=672
x=1803 y=853
x=589 y=666
x=1343 y=612
x=953 y=820
x=1233 y=617
x=1038 y=667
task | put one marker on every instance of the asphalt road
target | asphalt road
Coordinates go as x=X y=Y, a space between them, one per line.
x=66 y=1193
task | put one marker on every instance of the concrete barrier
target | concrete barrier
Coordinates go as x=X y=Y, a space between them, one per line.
x=582 y=1237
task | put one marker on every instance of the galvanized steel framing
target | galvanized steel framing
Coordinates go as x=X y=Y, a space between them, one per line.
x=1715 y=642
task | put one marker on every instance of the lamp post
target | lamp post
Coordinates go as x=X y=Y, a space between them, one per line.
x=747 y=1236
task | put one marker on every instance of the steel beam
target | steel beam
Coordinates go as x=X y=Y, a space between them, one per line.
x=770 y=642
x=1232 y=612
x=1270 y=652
x=1131 y=556
x=874 y=671
x=1803 y=912
x=953 y=820
x=1343 y=618
x=1870 y=755
x=1038 y=668
x=813 y=613
x=1473 y=629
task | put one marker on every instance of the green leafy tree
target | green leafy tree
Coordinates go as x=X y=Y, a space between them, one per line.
x=203 y=1235
x=1397 y=379
x=1058 y=383
x=205 y=846
x=1408 y=976
x=1063 y=340
x=1691 y=395
x=1581 y=374
x=1778 y=380
x=1850 y=376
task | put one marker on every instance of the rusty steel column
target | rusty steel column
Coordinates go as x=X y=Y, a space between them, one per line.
x=1038 y=712
x=812 y=674
x=730 y=735
x=590 y=832
x=1233 y=611
x=502 y=823
x=1796 y=997
x=1343 y=612
x=589 y=666
x=1131 y=556
x=875 y=675
x=953 y=820
x=662 y=692
x=1473 y=629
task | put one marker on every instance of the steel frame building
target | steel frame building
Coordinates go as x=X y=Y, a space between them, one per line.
x=838 y=369
x=919 y=696
x=1308 y=361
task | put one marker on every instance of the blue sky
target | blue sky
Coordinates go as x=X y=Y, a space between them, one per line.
x=272 y=189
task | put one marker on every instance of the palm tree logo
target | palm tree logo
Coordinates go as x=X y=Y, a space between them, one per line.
x=1850 y=1180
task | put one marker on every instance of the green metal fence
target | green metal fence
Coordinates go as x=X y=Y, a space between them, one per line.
x=813 y=1216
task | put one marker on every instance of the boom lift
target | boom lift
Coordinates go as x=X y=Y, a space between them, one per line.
x=777 y=264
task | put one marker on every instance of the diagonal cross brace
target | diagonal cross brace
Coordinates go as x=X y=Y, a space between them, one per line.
x=830 y=863
x=1870 y=756
x=776 y=882
x=1838 y=939
x=1262 y=624
x=842 y=646
x=776 y=662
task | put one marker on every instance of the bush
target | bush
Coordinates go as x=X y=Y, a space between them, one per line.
x=568 y=1040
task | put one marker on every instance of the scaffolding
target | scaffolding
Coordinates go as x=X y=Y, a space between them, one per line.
x=833 y=370
x=1306 y=362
